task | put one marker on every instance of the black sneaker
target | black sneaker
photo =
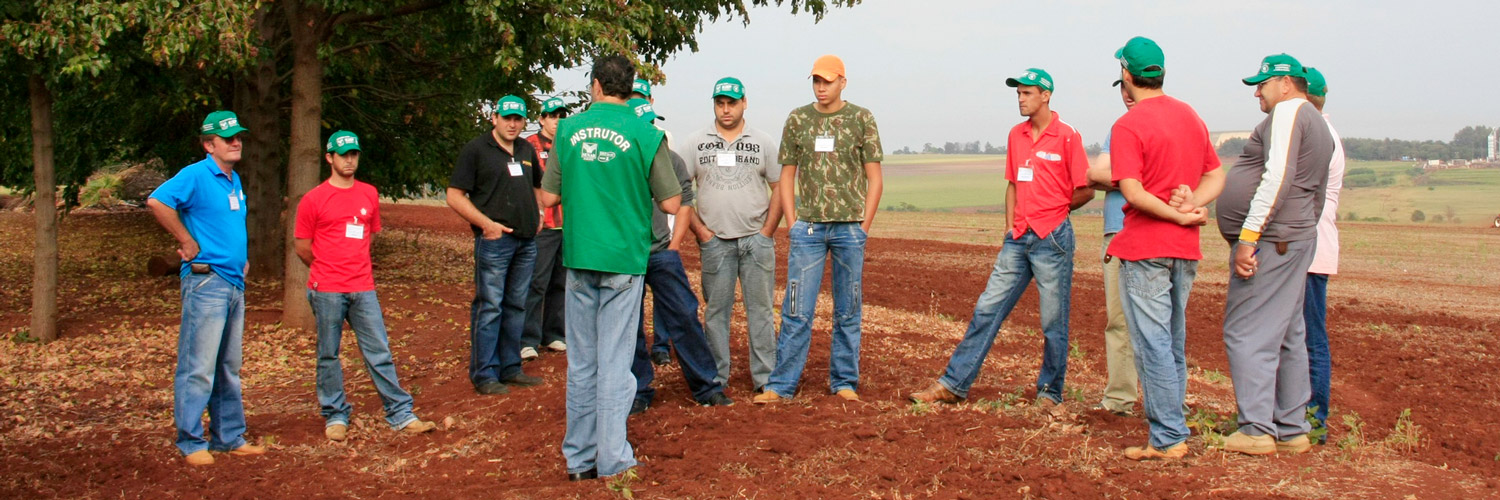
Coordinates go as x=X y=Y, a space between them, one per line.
x=660 y=358
x=718 y=399
x=491 y=388
x=639 y=406
x=523 y=380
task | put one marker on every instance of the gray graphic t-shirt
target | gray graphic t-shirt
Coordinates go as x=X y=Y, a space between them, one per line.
x=733 y=179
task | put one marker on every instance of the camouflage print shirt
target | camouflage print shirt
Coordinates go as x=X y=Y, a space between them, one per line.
x=830 y=151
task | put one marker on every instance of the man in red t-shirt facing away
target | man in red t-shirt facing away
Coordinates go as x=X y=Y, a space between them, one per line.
x=1162 y=161
x=336 y=222
x=1046 y=169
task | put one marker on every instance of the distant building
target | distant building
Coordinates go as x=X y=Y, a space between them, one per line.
x=1494 y=144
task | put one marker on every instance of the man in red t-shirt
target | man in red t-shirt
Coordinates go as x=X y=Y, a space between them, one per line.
x=549 y=279
x=1046 y=167
x=336 y=223
x=1163 y=163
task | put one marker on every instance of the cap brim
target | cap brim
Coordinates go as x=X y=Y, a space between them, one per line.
x=231 y=131
x=512 y=112
x=1012 y=82
x=1256 y=79
x=345 y=149
x=731 y=95
x=826 y=75
x=1117 y=83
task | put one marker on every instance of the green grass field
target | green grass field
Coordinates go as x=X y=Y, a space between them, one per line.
x=958 y=182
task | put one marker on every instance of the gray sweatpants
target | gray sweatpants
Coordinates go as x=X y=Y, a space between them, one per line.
x=1267 y=341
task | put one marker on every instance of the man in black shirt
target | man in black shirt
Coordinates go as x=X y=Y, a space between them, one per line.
x=494 y=189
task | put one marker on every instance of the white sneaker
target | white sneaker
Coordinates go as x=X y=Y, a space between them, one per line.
x=558 y=345
x=528 y=353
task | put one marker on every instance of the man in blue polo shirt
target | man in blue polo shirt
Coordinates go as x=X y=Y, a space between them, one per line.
x=203 y=207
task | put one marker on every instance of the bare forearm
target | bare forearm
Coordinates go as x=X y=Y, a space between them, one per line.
x=874 y=187
x=685 y=217
x=549 y=200
x=167 y=217
x=304 y=251
x=1010 y=206
x=773 y=213
x=1139 y=199
x=1081 y=196
x=1209 y=188
x=788 y=194
x=458 y=200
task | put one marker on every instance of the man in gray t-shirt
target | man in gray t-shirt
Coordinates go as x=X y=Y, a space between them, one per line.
x=737 y=172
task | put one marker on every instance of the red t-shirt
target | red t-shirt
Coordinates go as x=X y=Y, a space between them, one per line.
x=341 y=223
x=1162 y=143
x=552 y=216
x=1057 y=164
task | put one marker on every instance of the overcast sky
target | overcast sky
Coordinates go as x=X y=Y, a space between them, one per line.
x=934 y=71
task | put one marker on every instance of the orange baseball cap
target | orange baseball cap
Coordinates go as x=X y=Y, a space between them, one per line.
x=829 y=67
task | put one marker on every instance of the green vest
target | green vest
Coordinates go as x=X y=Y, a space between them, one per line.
x=604 y=155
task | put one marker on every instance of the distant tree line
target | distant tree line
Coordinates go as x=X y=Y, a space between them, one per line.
x=1470 y=143
x=971 y=148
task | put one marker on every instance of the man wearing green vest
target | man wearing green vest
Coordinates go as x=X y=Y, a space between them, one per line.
x=609 y=167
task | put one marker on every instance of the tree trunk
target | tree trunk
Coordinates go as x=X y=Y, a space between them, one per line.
x=44 y=275
x=257 y=99
x=306 y=24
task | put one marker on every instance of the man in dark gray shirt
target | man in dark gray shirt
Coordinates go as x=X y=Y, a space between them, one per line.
x=675 y=308
x=1269 y=213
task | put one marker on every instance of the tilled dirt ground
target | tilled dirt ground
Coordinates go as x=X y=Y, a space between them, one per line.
x=90 y=415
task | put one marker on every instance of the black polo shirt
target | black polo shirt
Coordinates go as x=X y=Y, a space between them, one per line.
x=483 y=172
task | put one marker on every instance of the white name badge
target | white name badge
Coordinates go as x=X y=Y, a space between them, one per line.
x=1024 y=174
x=726 y=159
x=823 y=144
x=355 y=231
x=515 y=169
x=543 y=155
x=234 y=202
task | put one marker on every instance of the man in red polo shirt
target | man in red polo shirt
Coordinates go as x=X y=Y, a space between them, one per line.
x=1047 y=172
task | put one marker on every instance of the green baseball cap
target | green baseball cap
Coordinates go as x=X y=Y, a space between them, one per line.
x=1033 y=77
x=553 y=105
x=1316 y=84
x=641 y=87
x=223 y=124
x=642 y=109
x=1142 y=57
x=1276 y=65
x=729 y=87
x=342 y=142
x=511 y=106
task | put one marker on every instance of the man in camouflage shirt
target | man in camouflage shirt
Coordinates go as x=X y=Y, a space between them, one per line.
x=834 y=146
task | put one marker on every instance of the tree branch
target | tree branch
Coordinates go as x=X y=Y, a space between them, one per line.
x=411 y=8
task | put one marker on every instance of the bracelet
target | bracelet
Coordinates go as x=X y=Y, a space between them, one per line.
x=1247 y=243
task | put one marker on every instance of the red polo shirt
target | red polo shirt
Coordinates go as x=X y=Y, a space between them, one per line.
x=340 y=222
x=1058 y=165
x=551 y=217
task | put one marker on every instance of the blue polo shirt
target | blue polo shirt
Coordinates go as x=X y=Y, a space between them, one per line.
x=200 y=194
x=1114 y=206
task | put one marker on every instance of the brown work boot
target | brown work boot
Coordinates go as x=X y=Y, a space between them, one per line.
x=419 y=427
x=847 y=394
x=935 y=393
x=247 y=450
x=336 y=432
x=766 y=397
x=1293 y=446
x=1249 y=445
x=199 y=458
x=1149 y=452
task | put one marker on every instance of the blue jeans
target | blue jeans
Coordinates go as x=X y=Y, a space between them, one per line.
x=208 y=364
x=676 y=314
x=1050 y=261
x=1155 y=293
x=811 y=244
x=502 y=277
x=602 y=310
x=362 y=310
x=1319 y=360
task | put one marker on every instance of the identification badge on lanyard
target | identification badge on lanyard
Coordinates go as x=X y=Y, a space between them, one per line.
x=515 y=168
x=726 y=159
x=234 y=202
x=354 y=230
x=823 y=144
x=543 y=155
x=1024 y=174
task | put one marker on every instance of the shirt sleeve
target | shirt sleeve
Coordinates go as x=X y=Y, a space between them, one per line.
x=307 y=217
x=662 y=179
x=375 y=210
x=1012 y=160
x=1126 y=161
x=536 y=167
x=177 y=192
x=684 y=179
x=1281 y=164
x=869 y=147
x=464 y=172
x=552 y=178
x=1078 y=162
x=790 y=151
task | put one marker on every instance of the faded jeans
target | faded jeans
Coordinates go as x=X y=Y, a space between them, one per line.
x=1319 y=359
x=750 y=261
x=603 y=310
x=362 y=311
x=811 y=244
x=208 y=364
x=1050 y=261
x=1155 y=294
x=502 y=279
